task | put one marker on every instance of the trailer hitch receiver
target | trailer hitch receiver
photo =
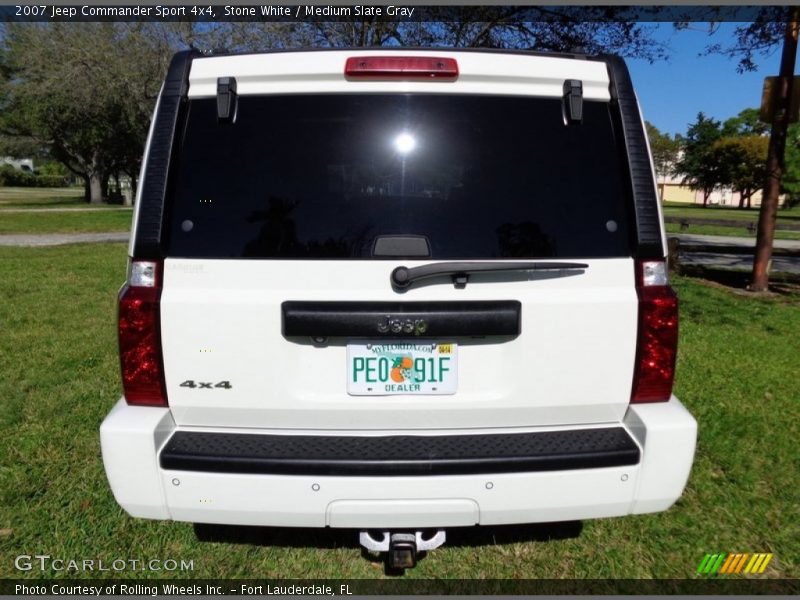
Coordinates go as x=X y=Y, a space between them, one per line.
x=402 y=551
x=401 y=548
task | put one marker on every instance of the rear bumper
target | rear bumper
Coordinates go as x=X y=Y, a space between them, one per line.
x=398 y=455
x=152 y=476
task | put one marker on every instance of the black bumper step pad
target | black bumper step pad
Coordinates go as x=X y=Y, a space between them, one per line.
x=399 y=455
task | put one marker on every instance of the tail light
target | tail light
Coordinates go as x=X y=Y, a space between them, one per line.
x=401 y=67
x=657 y=341
x=140 y=336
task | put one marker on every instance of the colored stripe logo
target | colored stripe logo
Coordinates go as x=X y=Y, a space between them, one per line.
x=742 y=562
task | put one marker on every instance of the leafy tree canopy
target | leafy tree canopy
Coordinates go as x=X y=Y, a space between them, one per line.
x=746 y=122
x=760 y=36
x=602 y=30
x=791 y=172
x=83 y=93
x=83 y=90
x=696 y=164
x=740 y=162
x=665 y=149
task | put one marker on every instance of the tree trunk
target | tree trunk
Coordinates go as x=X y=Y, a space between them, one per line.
x=762 y=260
x=96 y=188
x=104 y=182
x=87 y=191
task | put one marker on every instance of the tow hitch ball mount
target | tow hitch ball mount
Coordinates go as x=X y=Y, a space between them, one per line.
x=401 y=548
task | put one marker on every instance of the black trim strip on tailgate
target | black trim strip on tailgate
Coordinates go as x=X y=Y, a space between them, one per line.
x=399 y=455
x=428 y=319
x=148 y=243
x=645 y=199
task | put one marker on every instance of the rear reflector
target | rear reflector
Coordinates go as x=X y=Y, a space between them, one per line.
x=401 y=67
x=657 y=341
x=143 y=273
x=140 y=336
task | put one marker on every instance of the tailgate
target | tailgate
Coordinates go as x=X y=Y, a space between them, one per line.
x=222 y=322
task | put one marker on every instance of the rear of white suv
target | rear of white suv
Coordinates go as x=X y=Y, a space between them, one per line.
x=397 y=289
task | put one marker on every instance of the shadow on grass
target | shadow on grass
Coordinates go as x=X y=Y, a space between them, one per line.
x=65 y=201
x=780 y=283
x=783 y=213
x=287 y=537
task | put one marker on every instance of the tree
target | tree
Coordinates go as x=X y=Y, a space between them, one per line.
x=747 y=122
x=758 y=35
x=740 y=163
x=697 y=165
x=775 y=158
x=772 y=27
x=665 y=151
x=791 y=172
x=84 y=90
x=590 y=29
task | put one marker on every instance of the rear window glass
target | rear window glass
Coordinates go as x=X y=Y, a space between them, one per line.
x=325 y=176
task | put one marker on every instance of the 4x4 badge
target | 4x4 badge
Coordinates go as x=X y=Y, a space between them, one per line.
x=395 y=325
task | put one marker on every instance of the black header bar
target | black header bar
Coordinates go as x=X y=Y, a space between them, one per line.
x=357 y=587
x=335 y=12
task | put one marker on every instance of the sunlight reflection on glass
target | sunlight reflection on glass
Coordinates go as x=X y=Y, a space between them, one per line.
x=405 y=143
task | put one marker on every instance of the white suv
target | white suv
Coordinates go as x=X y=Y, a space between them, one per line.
x=397 y=290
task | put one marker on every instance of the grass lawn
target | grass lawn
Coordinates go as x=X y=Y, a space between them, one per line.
x=732 y=231
x=24 y=197
x=65 y=222
x=696 y=211
x=737 y=374
x=100 y=219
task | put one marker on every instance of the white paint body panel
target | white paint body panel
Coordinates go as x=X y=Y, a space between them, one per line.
x=323 y=73
x=130 y=438
x=570 y=368
x=665 y=432
x=221 y=321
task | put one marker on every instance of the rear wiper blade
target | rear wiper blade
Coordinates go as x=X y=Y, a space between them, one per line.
x=402 y=277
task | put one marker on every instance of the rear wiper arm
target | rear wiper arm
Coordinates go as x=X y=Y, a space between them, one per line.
x=402 y=277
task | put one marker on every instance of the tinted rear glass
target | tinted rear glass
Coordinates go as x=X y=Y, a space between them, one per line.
x=324 y=176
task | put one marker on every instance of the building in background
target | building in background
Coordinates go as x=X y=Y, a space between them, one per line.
x=20 y=164
x=672 y=189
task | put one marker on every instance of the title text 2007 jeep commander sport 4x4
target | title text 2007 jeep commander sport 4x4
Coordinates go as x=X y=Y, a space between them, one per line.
x=397 y=290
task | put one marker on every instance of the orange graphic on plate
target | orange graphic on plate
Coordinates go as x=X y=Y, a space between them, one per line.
x=400 y=364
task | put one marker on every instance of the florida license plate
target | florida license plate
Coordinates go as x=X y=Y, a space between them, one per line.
x=400 y=367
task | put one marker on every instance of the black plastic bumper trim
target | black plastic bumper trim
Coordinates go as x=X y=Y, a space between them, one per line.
x=399 y=455
x=374 y=319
